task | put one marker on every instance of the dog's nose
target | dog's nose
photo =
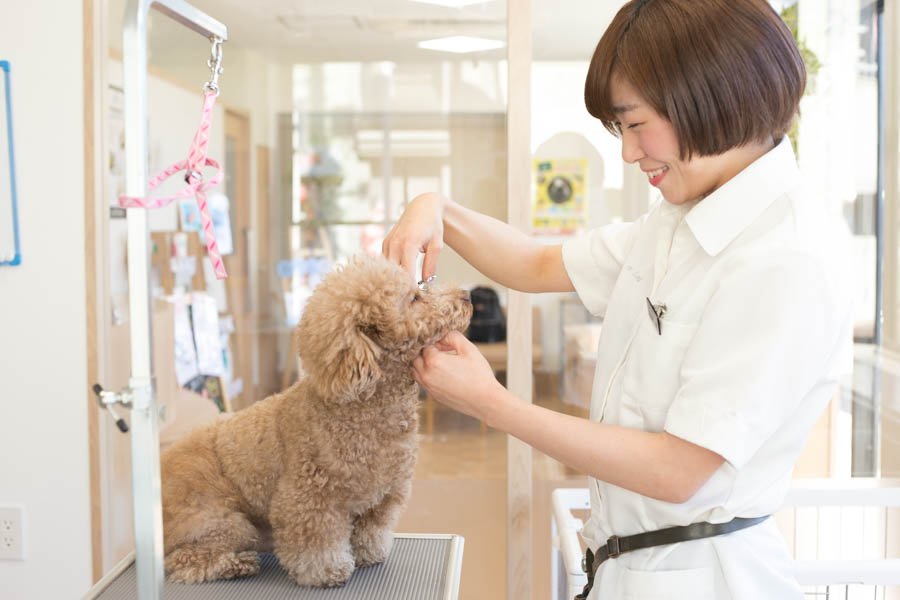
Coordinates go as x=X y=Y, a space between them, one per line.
x=466 y=296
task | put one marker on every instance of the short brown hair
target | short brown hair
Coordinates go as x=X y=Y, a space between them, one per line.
x=725 y=73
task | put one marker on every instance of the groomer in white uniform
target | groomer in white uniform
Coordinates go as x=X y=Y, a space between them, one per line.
x=725 y=327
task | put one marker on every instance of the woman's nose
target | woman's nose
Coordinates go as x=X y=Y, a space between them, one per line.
x=631 y=150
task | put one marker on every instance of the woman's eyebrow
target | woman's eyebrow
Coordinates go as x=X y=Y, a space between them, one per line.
x=625 y=108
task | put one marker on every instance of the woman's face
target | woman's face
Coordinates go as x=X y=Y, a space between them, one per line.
x=648 y=139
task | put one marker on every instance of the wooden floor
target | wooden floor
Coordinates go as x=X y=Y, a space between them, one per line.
x=460 y=487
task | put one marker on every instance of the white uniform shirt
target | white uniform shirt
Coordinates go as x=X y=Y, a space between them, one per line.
x=756 y=333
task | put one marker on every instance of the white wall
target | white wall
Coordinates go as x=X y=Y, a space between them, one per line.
x=43 y=416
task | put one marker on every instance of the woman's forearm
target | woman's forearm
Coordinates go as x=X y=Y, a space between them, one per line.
x=657 y=465
x=502 y=252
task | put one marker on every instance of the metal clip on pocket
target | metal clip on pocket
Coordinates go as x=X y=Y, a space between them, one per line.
x=656 y=312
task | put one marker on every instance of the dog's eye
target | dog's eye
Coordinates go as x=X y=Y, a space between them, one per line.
x=415 y=298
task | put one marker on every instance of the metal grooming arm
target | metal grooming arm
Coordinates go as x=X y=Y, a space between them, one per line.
x=148 y=538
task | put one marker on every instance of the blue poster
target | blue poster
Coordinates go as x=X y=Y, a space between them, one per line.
x=10 y=250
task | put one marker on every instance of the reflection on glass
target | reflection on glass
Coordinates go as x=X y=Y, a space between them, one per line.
x=368 y=137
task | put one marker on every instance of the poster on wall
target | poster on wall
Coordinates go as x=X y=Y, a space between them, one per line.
x=205 y=321
x=10 y=250
x=219 y=213
x=559 y=206
x=186 y=367
x=189 y=214
x=115 y=118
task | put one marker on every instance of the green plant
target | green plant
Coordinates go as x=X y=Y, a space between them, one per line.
x=810 y=60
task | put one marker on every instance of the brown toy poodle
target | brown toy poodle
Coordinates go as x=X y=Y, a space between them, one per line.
x=321 y=472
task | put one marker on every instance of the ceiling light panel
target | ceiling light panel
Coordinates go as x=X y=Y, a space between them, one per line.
x=461 y=44
x=452 y=3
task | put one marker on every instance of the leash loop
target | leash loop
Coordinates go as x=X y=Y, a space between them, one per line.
x=196 y=186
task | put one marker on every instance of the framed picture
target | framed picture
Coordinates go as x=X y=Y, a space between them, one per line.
x=10 y=249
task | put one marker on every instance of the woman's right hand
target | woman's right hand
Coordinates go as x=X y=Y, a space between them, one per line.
x=420 y=229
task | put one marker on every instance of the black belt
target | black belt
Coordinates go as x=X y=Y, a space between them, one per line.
x=671 y=535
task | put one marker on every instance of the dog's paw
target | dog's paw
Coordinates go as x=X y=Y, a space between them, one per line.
x=330 y=570
x=187 y=565
x=191 y=565
x=238 y=564
x=372 y=547
x=186 y=575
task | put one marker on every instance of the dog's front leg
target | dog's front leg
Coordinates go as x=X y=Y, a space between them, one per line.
x=373 y=531
x=314 y=546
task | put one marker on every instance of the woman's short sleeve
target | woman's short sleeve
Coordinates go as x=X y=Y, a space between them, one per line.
x=594 y=259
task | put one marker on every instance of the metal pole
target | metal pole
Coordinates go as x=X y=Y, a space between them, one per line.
x=148 y=539
x=879 y=185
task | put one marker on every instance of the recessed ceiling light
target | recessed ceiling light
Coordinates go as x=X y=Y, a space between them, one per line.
x=461 y=44
x=452 y=3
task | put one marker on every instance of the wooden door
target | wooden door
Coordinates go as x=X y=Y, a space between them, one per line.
x=266 y=295
x=238 y=284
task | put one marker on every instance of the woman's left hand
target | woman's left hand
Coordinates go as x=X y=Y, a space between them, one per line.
x=463 y=381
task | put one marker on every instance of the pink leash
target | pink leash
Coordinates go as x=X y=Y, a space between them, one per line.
x=196 y=187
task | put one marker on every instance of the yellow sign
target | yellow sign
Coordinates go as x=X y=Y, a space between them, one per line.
x=560 y=204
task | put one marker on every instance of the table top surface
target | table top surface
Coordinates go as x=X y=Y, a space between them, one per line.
x=419 y=567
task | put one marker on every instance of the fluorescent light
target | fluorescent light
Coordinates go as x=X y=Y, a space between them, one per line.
x=452 y=3
x=461 y=44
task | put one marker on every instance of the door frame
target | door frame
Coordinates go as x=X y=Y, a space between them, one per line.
x=239 y=284
x=519 y=488
x=96 y=241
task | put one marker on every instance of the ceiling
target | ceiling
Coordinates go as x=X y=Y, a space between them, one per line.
x=302 y=31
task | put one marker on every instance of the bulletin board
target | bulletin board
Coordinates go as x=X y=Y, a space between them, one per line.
x=10 y=250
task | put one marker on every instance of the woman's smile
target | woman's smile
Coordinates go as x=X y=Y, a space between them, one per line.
x=656 y=175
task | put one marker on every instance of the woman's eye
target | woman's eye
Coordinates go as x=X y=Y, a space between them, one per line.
x=633 y=125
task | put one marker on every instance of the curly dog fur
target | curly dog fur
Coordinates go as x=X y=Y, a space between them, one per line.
x=321 y=472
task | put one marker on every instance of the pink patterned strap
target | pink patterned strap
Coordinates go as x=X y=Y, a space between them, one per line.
x=196 y=187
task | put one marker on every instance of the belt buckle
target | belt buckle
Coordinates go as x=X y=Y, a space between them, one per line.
x=587 y=562
x=612 y=546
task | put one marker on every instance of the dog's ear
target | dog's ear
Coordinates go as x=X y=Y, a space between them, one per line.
x=356 y=366
x=343 y=367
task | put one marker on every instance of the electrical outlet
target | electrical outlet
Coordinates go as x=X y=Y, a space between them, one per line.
x=12 y=532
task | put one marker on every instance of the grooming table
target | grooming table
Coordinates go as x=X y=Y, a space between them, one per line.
x=420 y=567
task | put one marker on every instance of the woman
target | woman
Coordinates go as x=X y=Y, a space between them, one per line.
x=725 y=329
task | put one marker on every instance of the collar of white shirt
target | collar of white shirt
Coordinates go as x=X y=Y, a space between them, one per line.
x=720 y=217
